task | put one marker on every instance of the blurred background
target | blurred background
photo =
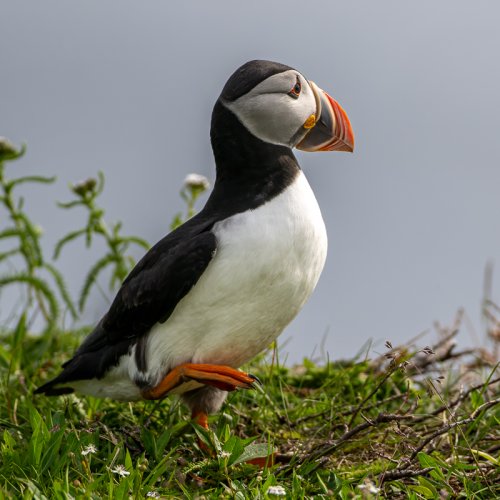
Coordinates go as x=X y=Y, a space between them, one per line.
x=413 y=216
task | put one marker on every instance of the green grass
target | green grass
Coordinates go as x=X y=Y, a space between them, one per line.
x=392 y=426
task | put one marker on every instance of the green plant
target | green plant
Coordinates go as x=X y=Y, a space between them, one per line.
x=117 y=245
x=41 y=280
x=194 y=186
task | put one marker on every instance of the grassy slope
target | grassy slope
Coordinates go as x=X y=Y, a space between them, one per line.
x=402 y=425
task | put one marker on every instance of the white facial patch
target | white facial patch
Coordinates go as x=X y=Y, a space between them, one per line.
x=272 y=115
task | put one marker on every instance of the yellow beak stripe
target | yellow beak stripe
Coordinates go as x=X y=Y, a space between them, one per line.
x=310 y=122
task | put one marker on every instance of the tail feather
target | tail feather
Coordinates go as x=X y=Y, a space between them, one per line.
x=59 y=385
x=49 y=389
x=85 y=365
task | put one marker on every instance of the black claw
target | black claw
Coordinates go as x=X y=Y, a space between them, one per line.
x=256 y=379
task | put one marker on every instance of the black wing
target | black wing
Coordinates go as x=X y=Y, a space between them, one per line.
x=153 y=289
x=148 y=296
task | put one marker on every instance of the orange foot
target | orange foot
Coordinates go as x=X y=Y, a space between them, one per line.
x=222 y=377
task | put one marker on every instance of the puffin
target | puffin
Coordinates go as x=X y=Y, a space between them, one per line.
x=219 y=289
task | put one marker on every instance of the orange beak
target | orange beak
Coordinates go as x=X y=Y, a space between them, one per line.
x=332 y=130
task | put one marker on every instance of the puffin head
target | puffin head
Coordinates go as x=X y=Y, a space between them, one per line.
x=278 y=105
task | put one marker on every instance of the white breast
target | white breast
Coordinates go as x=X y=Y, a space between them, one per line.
x=268 y=262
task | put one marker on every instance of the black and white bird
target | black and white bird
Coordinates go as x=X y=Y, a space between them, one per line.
x=219 y=289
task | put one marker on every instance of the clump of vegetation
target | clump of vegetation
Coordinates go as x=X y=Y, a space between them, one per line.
x=194 y=186
x=409 y=423
x=117 y=245
x=23 y=261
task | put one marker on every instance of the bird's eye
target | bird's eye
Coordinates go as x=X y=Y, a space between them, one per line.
x=295 y=92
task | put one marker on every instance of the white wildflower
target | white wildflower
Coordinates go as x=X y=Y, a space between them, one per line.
x=77 y=404
x=120 y=470
x=5 y=141
x=89 y=450
x=197 y=181
x=370 y=487
x=278 y=491
x=224 y=454
x=6 y=147
x=152 y=494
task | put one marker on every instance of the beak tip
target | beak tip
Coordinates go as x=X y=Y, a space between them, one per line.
x=345 y=148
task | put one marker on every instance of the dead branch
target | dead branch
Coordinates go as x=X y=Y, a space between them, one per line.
x=403 y=473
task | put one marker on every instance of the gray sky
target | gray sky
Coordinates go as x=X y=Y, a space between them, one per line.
x=412 y=217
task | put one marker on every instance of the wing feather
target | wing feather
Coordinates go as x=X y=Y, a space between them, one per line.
x=149 y=295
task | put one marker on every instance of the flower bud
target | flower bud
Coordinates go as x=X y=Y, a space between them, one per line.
x=7 y=150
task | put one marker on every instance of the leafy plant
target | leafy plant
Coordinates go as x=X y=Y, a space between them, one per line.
x=194 y=186
x=22 y=237
x=117 y=245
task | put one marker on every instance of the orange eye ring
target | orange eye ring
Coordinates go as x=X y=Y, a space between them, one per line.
x=296 y=89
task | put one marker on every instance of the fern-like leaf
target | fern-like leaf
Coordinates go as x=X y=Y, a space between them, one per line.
x=16 y=344
x=34 y=238
x=69 y=237
x=30 y=178
x=100 y=185
x=9 y=253
x=70 y=204
x=119 y=274
x=91 y=278
x=11 y=232
x=138 y=241
x=63 y=290
x=40 y=286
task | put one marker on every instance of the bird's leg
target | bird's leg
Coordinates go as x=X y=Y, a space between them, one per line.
x=220 y=376
x=201 y=418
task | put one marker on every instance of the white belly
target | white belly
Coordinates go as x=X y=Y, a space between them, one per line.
x=267 y=264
